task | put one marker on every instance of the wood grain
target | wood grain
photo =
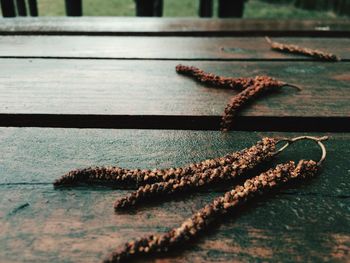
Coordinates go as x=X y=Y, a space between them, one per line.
x=152 y=88
x=173 y=27
x=175 y=48
x=307 y=222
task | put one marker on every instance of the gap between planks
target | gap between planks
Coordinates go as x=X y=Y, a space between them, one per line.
x=173 y=122
x=300 y=59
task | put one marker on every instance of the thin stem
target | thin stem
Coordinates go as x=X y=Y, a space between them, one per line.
x=268 y=40
x=312 y=138
x=292 y=86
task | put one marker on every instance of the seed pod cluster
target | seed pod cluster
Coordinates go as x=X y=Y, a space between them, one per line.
x=248 y=159
x=261 y=85
x=250 y=89
x=213 y=80
x=189 y=229
x=132 y=179
x=294 y=49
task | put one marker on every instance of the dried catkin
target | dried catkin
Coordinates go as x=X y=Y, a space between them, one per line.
x=189 y=229
x=132 y=179
x=250 y=89
x=261 y=85
x=302 y=51
x=250 y=158
x=214 y=80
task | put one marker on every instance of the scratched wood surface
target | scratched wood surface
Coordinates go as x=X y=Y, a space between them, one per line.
x=309 y=222
x=174 y=26
x=119 y=73
x=153 y=88
x=175 y=48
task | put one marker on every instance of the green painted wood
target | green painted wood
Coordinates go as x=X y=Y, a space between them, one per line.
x=309 y=222
x=162 y=48
x=174 y=26
x=124 y=87
x=27 y=150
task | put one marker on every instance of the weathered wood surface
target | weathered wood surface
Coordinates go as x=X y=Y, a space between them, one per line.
x=175 y=48
x=308 y=222
x=174 y=26
x=90 y=79
x=153 y=88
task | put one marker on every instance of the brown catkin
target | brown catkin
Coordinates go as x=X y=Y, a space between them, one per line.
x=132 y=179
x=264 y=150
x=294 y=49
x=214 y=80
x=250 y=88
x=261 y=85
x=189 y=229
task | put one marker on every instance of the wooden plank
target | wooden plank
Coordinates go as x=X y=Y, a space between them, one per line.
x=33 y=7
x=205 y=8
x=174 y=26
x=176 y=48
x=39 y=155
x=149 y=8
x=308 y=222
x=101 y=89
x=21 y=8
x=74 y=7
x=144 y=7
x=8 y=8
x=228 y=8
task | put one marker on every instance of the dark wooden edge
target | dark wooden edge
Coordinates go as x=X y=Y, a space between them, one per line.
x=8 y=8
x=242 y=123
x=205 y=8
x=21 y=8
x=74 y=7
x=229 y=8
x=33 y=7
x=149 y=8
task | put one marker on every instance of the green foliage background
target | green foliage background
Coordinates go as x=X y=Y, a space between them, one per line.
x=186 y=8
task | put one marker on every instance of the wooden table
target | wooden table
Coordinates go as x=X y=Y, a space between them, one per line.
x=61 y=74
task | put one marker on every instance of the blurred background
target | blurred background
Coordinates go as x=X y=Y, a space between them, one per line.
x=278 y=9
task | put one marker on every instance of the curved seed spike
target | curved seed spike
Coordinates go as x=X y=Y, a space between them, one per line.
x=250 y=158
x=261 y=85
x=252 y=87
x=294 y=49
x=214 y=80
x=283 y=84
x=201 y=220
x=132 y=179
